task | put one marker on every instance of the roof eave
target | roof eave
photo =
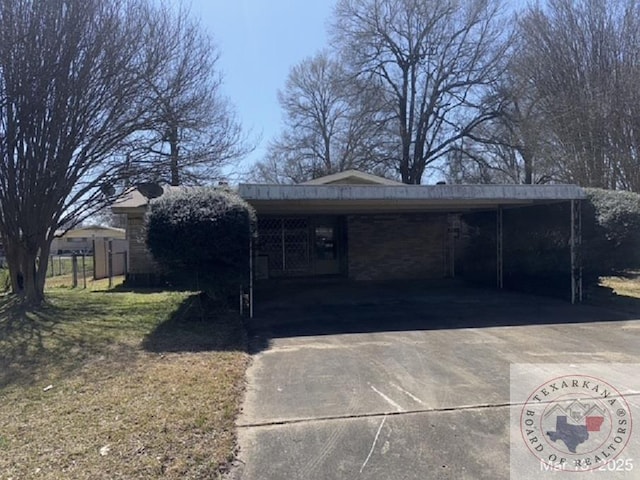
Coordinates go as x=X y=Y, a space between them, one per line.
x=411 y=192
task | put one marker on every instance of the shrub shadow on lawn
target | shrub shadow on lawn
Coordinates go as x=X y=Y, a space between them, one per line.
x=124 y=288
x=198 y=325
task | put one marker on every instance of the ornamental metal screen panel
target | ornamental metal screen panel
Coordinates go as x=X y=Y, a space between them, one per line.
x=270 y=243
x=285 y=242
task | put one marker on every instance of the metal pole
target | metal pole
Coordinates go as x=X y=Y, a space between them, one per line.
x=576 y=243
x=453 y=248
x=251 y=277
x=284 y=261
x=84 y=271
x=499 y=259
x=110 y=263
x=579 y=248
x=573 y=252
x=74 y=269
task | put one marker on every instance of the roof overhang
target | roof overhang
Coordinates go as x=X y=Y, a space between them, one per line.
x=344 y=199
x=132 y=201
x=93 y=230
x=298 y=199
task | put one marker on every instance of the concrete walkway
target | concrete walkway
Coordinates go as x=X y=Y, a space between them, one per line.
x=403 y=387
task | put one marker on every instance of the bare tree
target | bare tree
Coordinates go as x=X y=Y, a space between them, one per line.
x=193 y=131
x=279 y=167
x=329 y=124
x=513 y=146
x=433 y=59
x=624 y=129
x=74 y=85
x=580 y=59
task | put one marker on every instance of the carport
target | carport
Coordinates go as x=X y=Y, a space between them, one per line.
x=361 y=227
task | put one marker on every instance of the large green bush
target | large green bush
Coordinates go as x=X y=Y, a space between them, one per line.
x=611 y=232
x=201 y=236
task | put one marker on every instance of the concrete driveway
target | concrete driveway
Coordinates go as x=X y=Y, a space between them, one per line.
x=406 y=383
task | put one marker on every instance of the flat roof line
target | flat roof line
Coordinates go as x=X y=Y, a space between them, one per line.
x=411 y=192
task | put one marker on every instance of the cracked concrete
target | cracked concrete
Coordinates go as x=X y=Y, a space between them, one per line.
x=424 y=397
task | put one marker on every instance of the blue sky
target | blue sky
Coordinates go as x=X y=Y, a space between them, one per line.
x=259 y=41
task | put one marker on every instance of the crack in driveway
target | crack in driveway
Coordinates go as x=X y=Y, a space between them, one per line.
x=461 y=408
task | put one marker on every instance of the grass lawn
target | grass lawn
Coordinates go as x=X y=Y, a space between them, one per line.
x=66 y=281
x=115 y=384
x=104 y=384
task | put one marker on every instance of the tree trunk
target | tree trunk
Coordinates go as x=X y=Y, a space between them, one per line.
x=404 y=171
x=527 y=160
x=14 y=263
x=43 y=265
x=27 y=274
x=33 y=292
x=174 y=156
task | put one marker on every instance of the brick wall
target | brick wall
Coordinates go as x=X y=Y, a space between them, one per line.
x=140 y=261
x=396 y=246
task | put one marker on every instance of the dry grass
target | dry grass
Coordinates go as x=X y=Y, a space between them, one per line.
x=621 y=293
x=105 y=385
x=628 y=286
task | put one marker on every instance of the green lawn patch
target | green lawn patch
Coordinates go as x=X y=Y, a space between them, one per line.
x=103 y=385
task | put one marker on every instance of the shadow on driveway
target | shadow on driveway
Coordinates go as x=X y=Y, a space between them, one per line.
x=328 y=307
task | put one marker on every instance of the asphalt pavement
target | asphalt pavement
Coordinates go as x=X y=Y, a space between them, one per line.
x=377 y=385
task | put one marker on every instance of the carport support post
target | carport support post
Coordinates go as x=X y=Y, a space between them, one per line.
x=499 y=276
x=251 y=277
x=576 y=257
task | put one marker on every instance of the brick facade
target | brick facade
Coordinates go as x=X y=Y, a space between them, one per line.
x=379 y=247
x=398 y=246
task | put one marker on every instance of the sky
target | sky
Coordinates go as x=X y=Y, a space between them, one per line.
x=259 y=41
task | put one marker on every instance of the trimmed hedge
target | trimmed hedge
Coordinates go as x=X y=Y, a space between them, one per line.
x=611 y=232
x=201 y=236
x=536 y=249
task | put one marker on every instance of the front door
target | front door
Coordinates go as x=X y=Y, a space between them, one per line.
x=326 y=238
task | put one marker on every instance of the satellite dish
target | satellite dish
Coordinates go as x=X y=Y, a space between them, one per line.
x=107 y=189
x=150 y=190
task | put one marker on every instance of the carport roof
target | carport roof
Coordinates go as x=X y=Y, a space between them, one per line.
x=358 y=192
x=337 y=198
